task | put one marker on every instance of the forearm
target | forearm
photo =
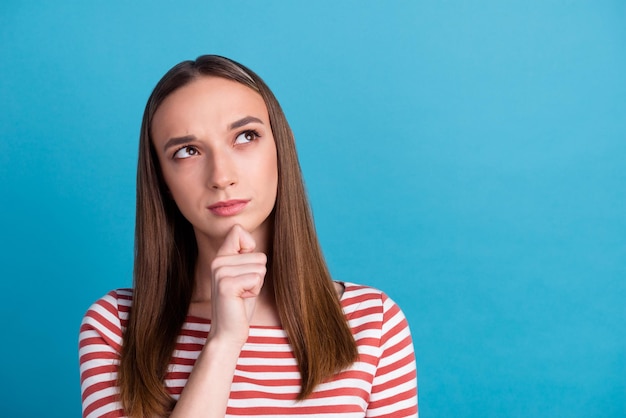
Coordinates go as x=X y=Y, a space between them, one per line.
x=208 y=387
x=237 y=275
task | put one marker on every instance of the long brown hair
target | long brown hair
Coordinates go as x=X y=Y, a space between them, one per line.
x=166 y=254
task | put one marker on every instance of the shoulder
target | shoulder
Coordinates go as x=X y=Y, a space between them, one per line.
x=357 y=298
x=364 y=304
x=115 y=303
x=107 y=317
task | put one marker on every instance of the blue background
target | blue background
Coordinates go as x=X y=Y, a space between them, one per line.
x=467 y=157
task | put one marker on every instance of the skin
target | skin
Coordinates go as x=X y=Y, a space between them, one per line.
x=218 y=163
x=214 y=144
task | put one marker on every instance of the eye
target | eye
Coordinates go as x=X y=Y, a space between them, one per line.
x=246 y=137
x=186 y=152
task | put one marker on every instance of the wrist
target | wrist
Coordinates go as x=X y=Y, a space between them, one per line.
x=221 y=346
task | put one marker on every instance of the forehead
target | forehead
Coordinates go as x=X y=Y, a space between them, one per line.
x=211 y=99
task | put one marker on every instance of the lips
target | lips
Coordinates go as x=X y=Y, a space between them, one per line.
x=228 y=207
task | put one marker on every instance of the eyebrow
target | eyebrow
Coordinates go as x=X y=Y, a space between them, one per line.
x=172 y=142
x=244 y=121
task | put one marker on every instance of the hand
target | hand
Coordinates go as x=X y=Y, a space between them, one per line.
x=237 y=278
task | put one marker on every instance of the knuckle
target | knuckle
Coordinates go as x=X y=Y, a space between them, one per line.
x=217 y=263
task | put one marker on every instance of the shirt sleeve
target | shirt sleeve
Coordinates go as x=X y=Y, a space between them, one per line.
x=99 y=344
x=394 y=390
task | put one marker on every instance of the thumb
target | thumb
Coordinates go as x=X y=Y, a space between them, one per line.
x=238 y=241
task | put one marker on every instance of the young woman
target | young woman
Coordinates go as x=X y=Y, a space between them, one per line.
x=233 y=311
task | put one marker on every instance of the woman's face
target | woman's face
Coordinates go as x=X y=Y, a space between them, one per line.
x=218 y=156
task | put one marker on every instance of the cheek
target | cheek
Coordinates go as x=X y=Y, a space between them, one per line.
x=271 y=171
x=262 y=169
x=273 y=163
x=267 y=181
x=180 y=189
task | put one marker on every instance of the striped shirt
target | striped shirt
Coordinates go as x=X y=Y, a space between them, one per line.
x=381 y=383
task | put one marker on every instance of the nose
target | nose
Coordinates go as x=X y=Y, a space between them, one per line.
x=222 y=171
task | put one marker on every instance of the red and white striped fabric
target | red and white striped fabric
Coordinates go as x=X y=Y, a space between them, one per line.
x=382 y=383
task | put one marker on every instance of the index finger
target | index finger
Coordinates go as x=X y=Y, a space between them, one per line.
x=238 y=241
